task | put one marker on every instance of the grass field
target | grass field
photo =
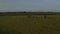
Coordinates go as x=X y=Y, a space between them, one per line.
x=36 y=24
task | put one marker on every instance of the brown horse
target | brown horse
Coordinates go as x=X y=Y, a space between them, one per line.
x=45 y=16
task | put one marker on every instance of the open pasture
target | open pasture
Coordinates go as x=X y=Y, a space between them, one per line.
x=35 y=24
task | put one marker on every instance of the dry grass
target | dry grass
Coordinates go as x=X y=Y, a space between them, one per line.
x=36 y=24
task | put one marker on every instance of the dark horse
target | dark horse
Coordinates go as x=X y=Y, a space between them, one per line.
x=45 y=16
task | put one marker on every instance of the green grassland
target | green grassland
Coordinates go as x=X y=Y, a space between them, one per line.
x=36 y=24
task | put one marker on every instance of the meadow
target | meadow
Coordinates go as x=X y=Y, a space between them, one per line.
x=35 y=24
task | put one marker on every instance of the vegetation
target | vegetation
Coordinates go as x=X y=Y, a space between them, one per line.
x=36 y=24
x=27 y=13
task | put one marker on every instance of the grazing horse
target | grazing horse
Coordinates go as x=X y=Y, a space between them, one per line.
x=45 y=16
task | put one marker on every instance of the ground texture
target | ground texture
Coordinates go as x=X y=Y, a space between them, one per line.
x=35 y=24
